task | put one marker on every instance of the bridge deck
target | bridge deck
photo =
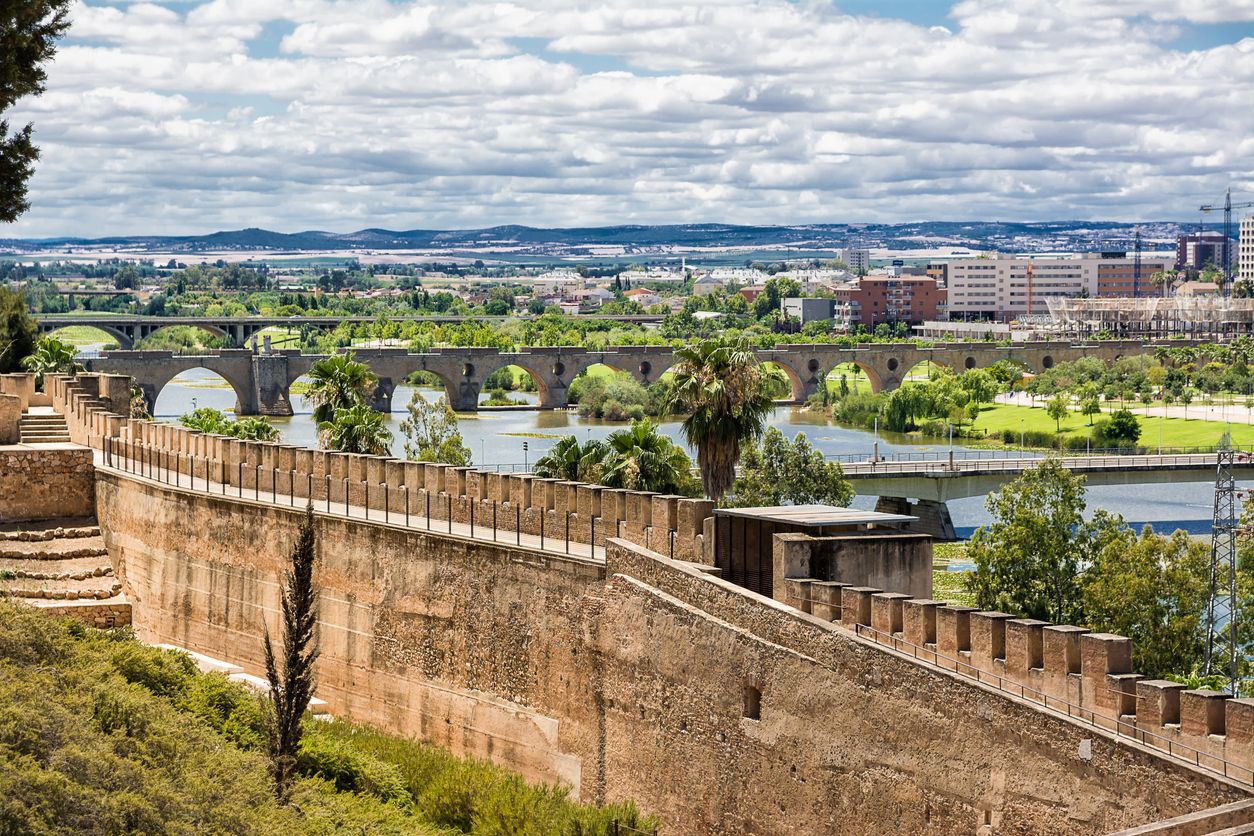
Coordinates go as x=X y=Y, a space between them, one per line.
x=945 y=468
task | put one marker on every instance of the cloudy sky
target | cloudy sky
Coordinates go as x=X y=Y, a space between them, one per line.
x=187 y=117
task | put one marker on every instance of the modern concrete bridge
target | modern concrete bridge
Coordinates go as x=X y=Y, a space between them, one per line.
x=128 y=330
x=933 y=482
x=262 y=380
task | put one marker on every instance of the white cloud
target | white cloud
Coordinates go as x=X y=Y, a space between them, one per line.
x=336 y=114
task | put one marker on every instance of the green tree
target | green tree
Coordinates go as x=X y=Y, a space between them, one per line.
x=640 y=458
x=1123 y=429
x=727 y=396
x=1153 y=590
x=212 y=421
x=356 y=429
x=1090 y=406
x=339 y=382
x=28 y=33
x=1028 y=560
x=432 y=434
x=17 y=329
x=1057 y=409
x=776 y=472
x=572 y=461
x=291 y=678
x=51 y=356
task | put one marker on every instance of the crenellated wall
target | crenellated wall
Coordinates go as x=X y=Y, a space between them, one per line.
x=856 y=711
x=579 y=512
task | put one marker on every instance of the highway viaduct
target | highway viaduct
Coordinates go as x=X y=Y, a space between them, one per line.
x=262 y=380
x=128 y=330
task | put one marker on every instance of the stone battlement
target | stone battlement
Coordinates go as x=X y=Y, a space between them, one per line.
x=574 y=511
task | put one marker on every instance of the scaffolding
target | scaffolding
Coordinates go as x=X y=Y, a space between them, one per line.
x=1221 y=610
x=1200 y=317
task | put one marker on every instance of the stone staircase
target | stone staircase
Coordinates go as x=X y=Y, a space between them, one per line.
x=62 y=567
x=43 y=426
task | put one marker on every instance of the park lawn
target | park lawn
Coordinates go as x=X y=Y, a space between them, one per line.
x=1176 y=432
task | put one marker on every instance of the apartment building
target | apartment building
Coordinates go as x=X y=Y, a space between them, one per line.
x=1245 y=255
x=874 y=299
x=855 y=258
x=1004 y=286
x=1195 y=252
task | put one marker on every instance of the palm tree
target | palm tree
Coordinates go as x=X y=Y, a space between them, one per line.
x=51 y=357
x=642 y=459
x=337 y=383
x=572 y=461
x=727 y=394
x=356 y=429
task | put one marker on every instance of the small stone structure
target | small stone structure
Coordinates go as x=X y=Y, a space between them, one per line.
x=46 y=482
x=10 y=419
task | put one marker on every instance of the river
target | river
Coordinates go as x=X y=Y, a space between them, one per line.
x=496 y=438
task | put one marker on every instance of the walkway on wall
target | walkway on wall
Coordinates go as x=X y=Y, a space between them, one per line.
x=157 y=466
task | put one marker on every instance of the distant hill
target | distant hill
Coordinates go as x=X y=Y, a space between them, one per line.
x=675 y=238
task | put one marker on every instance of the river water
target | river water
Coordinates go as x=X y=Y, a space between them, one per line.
x=496 y=438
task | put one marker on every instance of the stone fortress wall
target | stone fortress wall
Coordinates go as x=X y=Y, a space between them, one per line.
x=574 y=511
x=840 y=708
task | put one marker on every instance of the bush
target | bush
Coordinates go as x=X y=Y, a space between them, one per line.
x=228 y=708
x=163 y=672
x=349 y=769
x=1121 y=430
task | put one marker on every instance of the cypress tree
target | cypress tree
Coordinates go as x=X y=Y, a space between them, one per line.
x=292 y=677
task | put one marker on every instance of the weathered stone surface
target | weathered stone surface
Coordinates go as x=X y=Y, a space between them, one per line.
x=45 y=483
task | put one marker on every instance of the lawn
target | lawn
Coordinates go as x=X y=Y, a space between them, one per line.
x=1176 y=432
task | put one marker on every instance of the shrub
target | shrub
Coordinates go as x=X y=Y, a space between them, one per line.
x=228 y=708
x=163 y=672
x=348 y=768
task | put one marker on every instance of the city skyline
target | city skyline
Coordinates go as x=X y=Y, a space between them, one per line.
x=186 y=117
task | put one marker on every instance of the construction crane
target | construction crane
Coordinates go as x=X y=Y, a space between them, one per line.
x=1227 y=254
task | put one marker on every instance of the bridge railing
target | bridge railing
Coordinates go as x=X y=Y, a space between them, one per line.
x=967 y=454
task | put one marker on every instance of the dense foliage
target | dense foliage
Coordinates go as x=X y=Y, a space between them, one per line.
x=1040 y=558
x=779 y=472
x=51 y=356
x=637 y=458
x=102 y=735
x=212 y=421
x=28 y=35
x=17 y=330
x=431 y=433
x=356 y=429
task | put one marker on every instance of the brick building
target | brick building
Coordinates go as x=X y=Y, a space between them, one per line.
x=875 y=299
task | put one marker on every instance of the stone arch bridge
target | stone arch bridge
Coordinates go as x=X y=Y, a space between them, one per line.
x=262 y=381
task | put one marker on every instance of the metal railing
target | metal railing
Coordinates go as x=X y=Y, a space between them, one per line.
x=967 y=454
x=1086 y=716
x=1008 y=465
x=197 y=473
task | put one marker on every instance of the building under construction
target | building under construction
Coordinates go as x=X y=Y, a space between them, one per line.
x=1201 y=317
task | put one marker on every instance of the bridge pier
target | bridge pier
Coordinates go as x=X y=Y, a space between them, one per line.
x=933 y=516
x=270 y=392
x=382 y=400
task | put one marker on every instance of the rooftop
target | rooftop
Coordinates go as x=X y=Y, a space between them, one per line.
x=818 y=516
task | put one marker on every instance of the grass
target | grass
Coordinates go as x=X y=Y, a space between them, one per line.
x=1176 y=432
x=101 y=734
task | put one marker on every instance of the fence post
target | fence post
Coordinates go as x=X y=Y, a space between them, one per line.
x=494 y=521
x=518 y=524
x=239 y=480
x=274 y=485
x=365 y=486
x=406 y=489
x=472 y=517
x=291 y=487
x=568 y=532
x=385 y=502
x=450 y=513
x=346 y=496
x=257 y=483
x=328 y=478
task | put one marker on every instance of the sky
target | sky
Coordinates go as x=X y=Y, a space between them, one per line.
x=189 y=117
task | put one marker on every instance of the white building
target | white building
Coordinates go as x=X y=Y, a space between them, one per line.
x=1004 y=286
x=856 y=258
x=1245 y=253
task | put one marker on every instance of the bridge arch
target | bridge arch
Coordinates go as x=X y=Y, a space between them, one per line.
x=537 y=377
x=143 y=332
x=207 y=395
x=872 y=375
x=108 y=333
x=796 y=383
